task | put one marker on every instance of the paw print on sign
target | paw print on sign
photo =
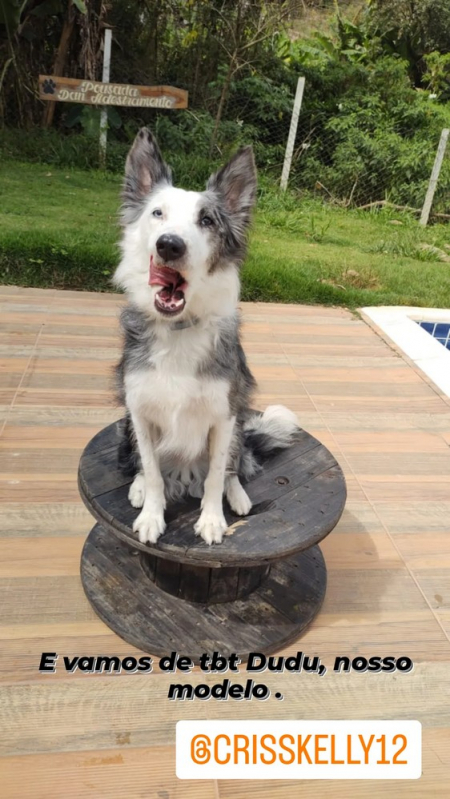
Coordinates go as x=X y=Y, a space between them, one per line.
x=49 y=86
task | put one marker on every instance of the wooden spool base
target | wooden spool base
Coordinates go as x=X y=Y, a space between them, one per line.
x=134 y=607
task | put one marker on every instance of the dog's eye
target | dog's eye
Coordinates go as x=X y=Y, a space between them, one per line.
x=206 y=221
x=157 y=212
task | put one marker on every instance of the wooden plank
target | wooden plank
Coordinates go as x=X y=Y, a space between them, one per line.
x=167 y=575
x=384 y=442
x=425 y=550
x=194 y=583
x=82 y=713
x=18 y=462
x=74 y=90
x=107 y=773
x=43 y=488
x=43 y=519
x=314 y=376
x=40 y=557
x=223 y=584
x=62 y=416
x=57 y=397
x=360 y=551
x=46 y=437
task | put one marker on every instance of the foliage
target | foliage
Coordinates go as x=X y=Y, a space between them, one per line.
x=411 y=29
x=32 y=33
x=376 y=99
x=437 y=74
x=366 y=134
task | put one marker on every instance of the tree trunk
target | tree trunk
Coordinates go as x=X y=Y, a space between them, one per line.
x=222 y=101
x=60 y=60
x=197 y=70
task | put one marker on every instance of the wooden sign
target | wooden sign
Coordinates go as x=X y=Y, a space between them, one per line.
x=72 y=90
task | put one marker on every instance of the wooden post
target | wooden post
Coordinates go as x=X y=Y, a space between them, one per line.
x=292 y=134
x=104 y=111
x=434 y=177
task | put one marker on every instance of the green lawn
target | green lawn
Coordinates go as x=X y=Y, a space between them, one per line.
x=59 y=228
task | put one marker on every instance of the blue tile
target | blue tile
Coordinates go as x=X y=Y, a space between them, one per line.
x=442 y=330
x=448 y=345
x=441 y=340
x=428 y=326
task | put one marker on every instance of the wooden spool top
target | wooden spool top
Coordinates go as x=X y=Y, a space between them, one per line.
x=297 y=500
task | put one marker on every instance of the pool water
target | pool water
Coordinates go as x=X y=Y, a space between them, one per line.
x=439 y=330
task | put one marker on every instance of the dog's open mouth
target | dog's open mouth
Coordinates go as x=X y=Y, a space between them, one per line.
x=170 y=299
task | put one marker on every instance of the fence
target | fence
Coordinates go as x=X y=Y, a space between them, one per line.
x=347 y=167
x=363 y=170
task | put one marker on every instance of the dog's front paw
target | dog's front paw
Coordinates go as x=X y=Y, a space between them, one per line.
x=149 y=525
x=239 y=500
x=211 y=526
x=136 y=494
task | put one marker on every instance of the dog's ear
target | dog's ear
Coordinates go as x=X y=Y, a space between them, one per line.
x=144 y=168
x=236 y=184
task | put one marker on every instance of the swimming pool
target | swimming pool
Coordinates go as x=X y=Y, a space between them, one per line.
x=439 y=330
x=422 y=334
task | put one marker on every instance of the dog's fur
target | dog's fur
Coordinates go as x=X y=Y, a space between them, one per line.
x=184 y=378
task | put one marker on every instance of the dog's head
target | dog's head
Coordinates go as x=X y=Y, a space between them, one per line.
x=182 y=249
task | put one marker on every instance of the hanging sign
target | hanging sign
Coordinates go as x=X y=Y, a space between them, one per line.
x=72 y=90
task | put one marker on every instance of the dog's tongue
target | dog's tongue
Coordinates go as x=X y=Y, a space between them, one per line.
x=170 y=298
x=164 y=276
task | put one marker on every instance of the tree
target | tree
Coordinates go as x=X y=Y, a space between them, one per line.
x=411 y=29
x=250 y=24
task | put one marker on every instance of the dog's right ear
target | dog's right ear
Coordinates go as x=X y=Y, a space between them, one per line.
x=144 y=169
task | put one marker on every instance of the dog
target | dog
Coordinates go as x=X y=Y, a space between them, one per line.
x=183 y=375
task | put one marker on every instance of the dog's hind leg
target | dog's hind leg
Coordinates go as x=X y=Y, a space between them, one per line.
x=211 y=524
x=136 y=494
x=237 y=496
x=150 y=523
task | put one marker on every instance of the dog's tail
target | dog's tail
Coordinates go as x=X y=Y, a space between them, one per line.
x=265 y=434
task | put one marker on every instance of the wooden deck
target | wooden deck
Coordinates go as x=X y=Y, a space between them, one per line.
x=388 y=559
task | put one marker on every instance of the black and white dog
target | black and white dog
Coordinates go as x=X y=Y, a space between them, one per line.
x=183 y=375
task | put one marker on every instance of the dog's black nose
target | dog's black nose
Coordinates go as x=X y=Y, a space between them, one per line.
x=170 y=247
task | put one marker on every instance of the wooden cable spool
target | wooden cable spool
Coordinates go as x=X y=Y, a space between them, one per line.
x=256 y=591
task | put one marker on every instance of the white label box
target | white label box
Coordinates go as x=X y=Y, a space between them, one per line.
x=301 y=750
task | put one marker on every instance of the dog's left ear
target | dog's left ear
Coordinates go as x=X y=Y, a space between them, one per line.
x=236 y=183
x=144 y=169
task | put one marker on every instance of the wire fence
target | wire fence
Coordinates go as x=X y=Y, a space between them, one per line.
x=347 y=167
x=363 y=171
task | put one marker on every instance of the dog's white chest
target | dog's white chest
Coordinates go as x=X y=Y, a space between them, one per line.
x=173 y=397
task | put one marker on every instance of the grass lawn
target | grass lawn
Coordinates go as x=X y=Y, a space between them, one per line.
x=59 y=228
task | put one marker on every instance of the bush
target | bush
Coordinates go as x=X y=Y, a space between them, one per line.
x=71 y=150
x=378 y=139
x=38 y=261
x=185 y=146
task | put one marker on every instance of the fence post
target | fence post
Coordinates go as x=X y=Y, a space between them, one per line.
x=434 y=177
x=104 y=111
x=292 y=134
